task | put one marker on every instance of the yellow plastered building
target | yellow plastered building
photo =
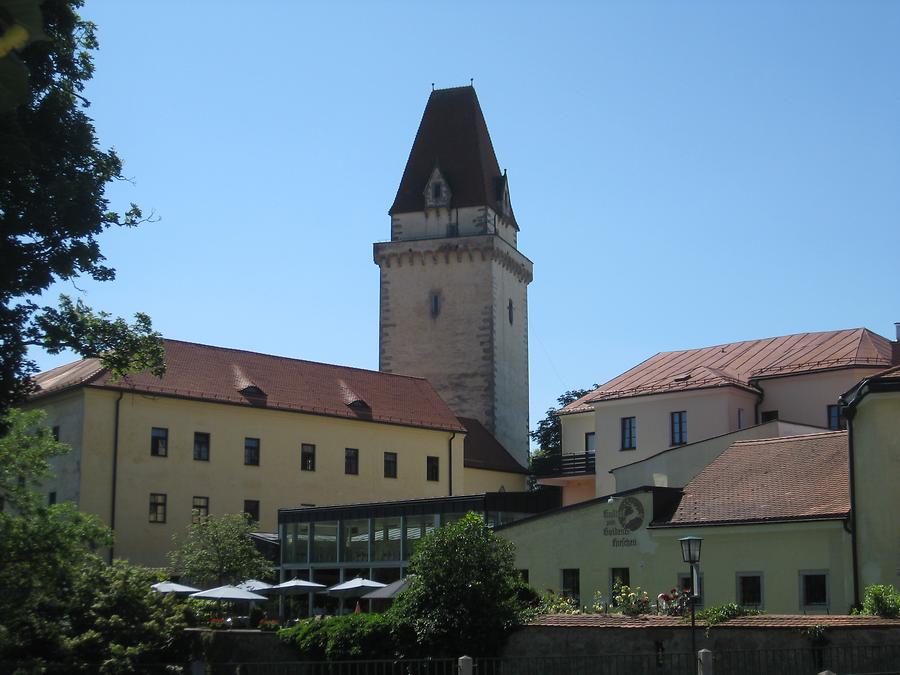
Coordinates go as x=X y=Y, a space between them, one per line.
x=230 y=431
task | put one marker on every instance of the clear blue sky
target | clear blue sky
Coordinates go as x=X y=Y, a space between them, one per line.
x=684 y=173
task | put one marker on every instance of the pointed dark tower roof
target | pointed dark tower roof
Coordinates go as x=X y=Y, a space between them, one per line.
x=454 y=137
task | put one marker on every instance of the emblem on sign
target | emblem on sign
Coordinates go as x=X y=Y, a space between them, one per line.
x=631 y=514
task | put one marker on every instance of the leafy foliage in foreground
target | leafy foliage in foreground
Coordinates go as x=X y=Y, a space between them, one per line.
x=464 y=595
x=881 y=600
x=338 y=638
x=59 y=602
x=712 y=616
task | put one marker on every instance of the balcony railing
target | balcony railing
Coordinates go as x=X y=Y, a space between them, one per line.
x=565 y=464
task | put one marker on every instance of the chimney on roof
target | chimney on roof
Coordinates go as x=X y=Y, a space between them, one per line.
x=895 y=345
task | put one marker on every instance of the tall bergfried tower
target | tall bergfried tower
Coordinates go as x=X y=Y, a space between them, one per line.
x=454 y=299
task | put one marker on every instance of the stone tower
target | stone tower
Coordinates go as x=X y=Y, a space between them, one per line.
x=454 y=299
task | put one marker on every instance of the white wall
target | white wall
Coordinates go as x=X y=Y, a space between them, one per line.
x=710 y=412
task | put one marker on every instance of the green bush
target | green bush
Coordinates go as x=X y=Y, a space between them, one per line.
x=308 y=637
x=881 y=600
x=342 y=638
x=720 y=613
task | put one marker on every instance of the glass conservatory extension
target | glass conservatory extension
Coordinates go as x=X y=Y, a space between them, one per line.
x=331 y=544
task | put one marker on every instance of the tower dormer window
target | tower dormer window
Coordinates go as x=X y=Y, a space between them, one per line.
x=437 y=190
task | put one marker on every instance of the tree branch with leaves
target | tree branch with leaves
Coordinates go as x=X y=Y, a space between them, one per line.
x=53 y=177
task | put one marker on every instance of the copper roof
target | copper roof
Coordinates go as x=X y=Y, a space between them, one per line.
x=738 y=363
x=452 y=136
x=484 y=451
x=758 y=621
x=251 y=379
x=775 y=479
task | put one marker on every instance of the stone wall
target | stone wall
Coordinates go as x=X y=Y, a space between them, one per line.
x=538 y=641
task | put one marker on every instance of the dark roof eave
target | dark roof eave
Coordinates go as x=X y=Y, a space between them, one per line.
x=875 y=384
x=745 y=387
x=758 y=521
x=469 y=464
x=588 y=502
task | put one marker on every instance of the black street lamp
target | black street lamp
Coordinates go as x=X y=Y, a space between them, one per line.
x=690 y=551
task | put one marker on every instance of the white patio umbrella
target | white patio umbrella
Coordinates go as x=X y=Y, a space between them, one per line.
x=228 y=593
x=355 y=587
x=172 y=587
x=296 y=587
x=254 y=585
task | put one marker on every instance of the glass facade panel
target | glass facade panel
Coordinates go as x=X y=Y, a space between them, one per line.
x=325 y=539
x=296 y=543
x=356 y=541
x=416 y=528
x=386 y=534
x=386 y=575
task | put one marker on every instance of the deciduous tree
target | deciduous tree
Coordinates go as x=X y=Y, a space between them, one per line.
x=218 y=550
x=60 y=604
x=464 y=593
x=53 y=177
x=548 y=433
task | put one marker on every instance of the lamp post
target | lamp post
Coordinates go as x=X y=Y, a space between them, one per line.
x=690 y=551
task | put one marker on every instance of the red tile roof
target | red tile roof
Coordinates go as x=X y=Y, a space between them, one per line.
x=759 y=621
x=737 y=363
x=239 y=377
x=483 y=451
x=452 y=136
x=791 y=478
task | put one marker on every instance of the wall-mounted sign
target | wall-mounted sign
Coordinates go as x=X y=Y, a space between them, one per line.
x=623 y=522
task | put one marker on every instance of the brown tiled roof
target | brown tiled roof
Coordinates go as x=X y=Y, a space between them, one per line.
x=791 y=478
x=452 y=136
x=737 y=363
x=889 y=374
x=246 y=378
x=759 y=621
x=483 y=451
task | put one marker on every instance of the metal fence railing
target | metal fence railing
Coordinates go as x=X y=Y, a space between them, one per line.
x=565 y=464
x=381 y=667
x=606 y=664
x=844 y=660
